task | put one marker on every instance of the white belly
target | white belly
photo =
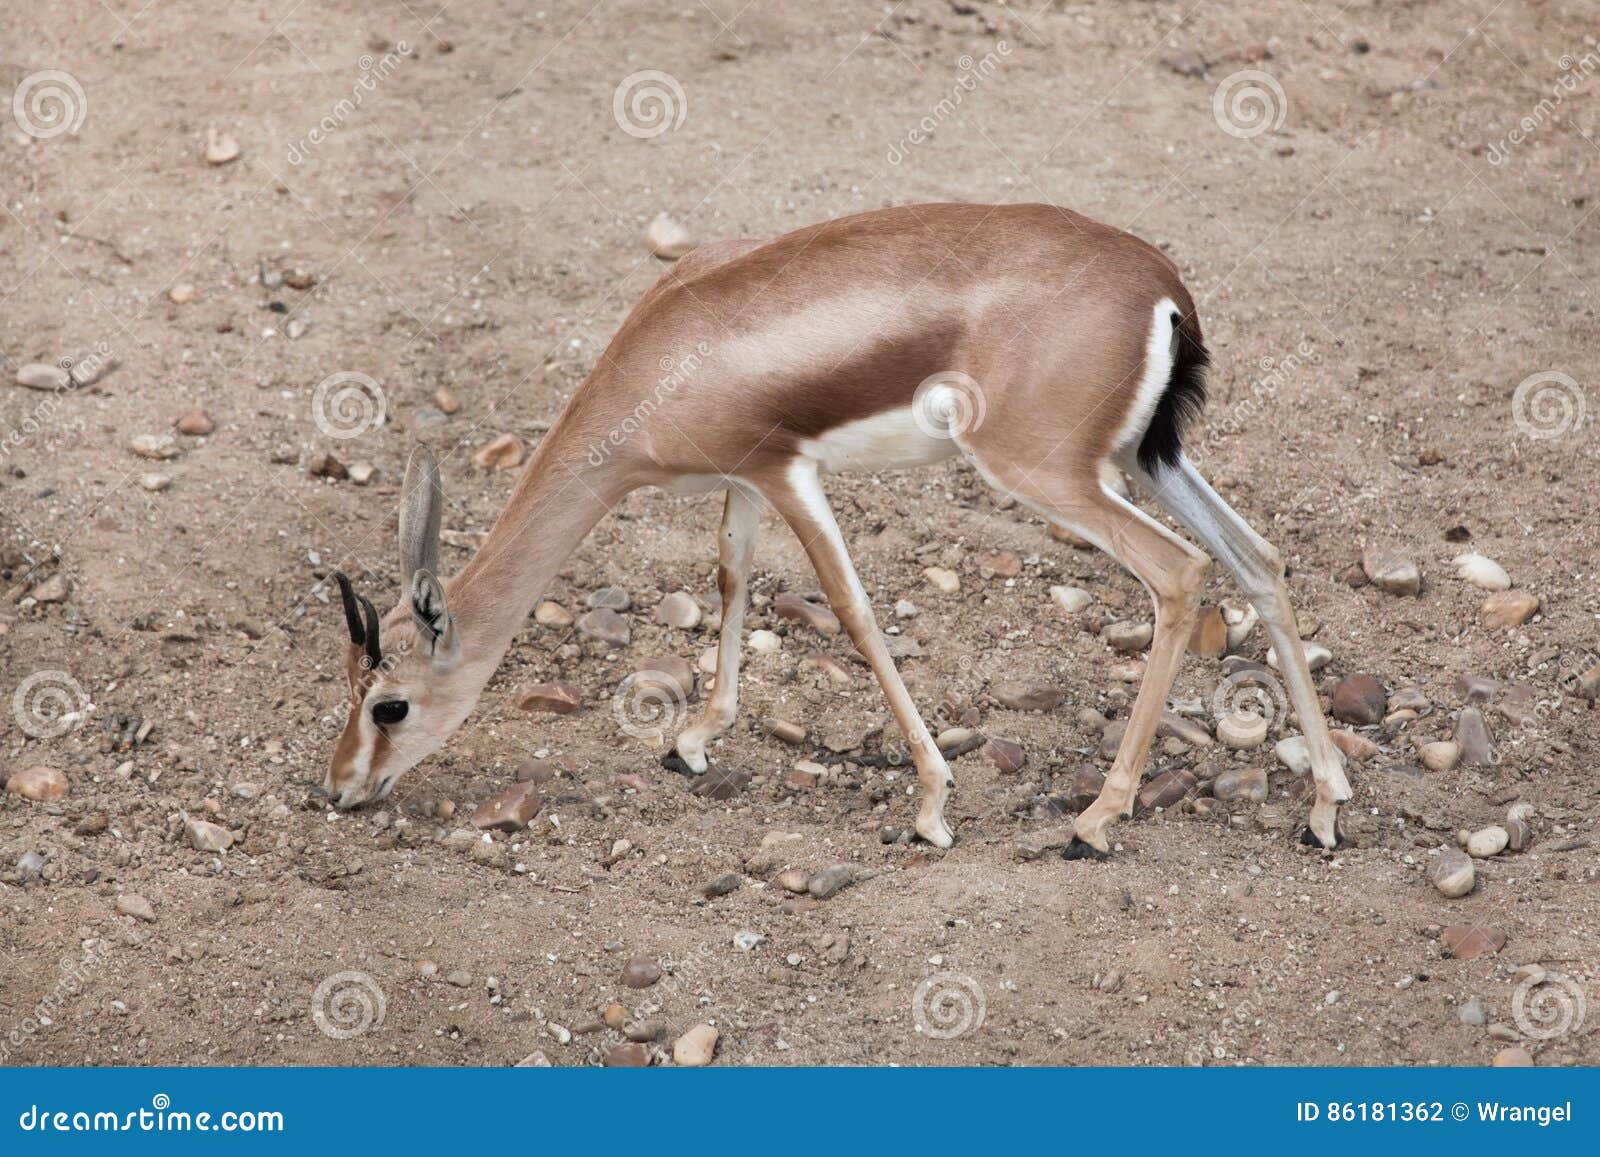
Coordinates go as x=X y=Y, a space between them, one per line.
x=892 y=440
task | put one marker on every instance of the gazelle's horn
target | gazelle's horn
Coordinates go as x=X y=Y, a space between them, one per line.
x=352 y=610
x=374 y=655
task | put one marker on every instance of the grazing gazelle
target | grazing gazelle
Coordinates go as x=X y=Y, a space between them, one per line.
x=1036 y=343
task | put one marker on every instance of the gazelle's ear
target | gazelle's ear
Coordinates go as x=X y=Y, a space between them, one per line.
x=436 y=629
x=421 y=505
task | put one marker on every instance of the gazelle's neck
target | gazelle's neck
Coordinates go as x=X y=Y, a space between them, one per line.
x=554 y=507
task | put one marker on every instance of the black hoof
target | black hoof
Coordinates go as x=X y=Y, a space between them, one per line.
x=672 y=761
x=1309 y=839
x=1083 y=850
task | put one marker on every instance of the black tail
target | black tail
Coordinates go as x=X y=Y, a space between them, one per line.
x=1183 y=399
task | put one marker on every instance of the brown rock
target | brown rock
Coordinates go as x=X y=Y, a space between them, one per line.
x=640 y=972
x=196 y=424
x=783 y=729
x=509 y=810
x=559 y=698
x=800 y=610
x=38 y=783
x=614 y=1016
x=679 y=610
x=1210 y=635
x=1001 y=564
x=721 y=783
x=1168 y=788
x=1024 y=696
x=53 y=590
x=829 y=666
x=607 y=626
x=1470 y=941
x=1241 y=785
x=831 y=881
x=1472 y=734
x=1514 y=1057
x=1390 y=571
x=1359 y=699
x=445 y=401
x=666 y=673
x=1357 y=747
x=1006 y=755
x=503 y=453
x=695 y=1048
x=628 y=1056
x=1507 y=609
x=1085 y=787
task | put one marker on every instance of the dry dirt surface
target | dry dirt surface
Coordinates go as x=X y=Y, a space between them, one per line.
x=1384 y=213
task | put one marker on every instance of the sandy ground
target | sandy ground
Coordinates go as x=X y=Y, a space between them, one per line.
x=449 y=199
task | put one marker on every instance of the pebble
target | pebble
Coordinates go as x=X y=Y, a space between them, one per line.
x=1515 y=1057
x=614 y=1016
x=679 y=610
x=196 y=424
x=1210 y=634
x=207 y=837
x=1357 y=747
x=640 y=972
x=509 y=810
x=668 y=673
x=667 y=238
x=1391 y=572
x=362 y=473
x=1472 y=733
x=805 y=775
x=534 y=1060
x=794 y=880
x=1441 y=755
x=721 y=783
x=1128 y=636
x=1486 y=842
x=1507 y=609
x=764 y=642
x=612 y=598
x=1471 y=1013
x=132 y=904
x=502 y=453
x=906 y=609
x=458 y=978
x=783 y=729
x=1071 y=599
x=1168 y=788
x=723 y=885
x=1481 y=572
x=1317 y=657
x=747 y=940
x=1452 y=872
x=813 y=615
x=1522 y=811
x=1005 y=755
x=549 y=614
x=559 y=698
x=155 y=483
x=831 y=881
x=1024 y=696
x=1240 y=785
x=1519 y=835
x=1359 y=699
x=1241 y=621
x=628 y=1056
x=1294 y=753
x=157 y=446
x=221 y=147
x=43 y=376
x=30 y=866
x=1470 y=941
x=605 y=625
x=1242 y=731
x=38 y=783
x=445 y=400
x=944 y=581
x=695 y=1048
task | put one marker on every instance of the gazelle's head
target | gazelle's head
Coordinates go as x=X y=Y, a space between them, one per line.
x=408 y=692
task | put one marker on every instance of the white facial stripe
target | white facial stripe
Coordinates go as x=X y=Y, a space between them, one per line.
x=1158 y=357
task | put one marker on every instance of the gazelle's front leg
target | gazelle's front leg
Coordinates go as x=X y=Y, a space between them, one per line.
x=736 y=543
x=798 y=495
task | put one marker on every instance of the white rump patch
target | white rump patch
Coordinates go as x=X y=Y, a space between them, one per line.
x=1160 y=350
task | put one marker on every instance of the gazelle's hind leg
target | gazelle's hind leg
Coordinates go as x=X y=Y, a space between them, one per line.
x=741 y=518
x=1258 y=568
x=1172 y=571
x=797 y=494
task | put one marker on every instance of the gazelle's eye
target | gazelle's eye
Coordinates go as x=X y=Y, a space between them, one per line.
x=387 y=711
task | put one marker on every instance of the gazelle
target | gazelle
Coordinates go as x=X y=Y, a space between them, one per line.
x=1039 y=345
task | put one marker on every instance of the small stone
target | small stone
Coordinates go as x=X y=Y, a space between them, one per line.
x=1520 y=812
x=1507 y=609
x=1241 y=621
x=157 y=446
x=905 y=609
x=1005 y=755
x=805 y=775
x=614 y=1016
x=43 y=376
x=1185 y=63
x=196 y=424
x=1515 y=1057
x=1317 y=657
x=1357 y=747
x=668 y=674
x=1294 y=753
x=831 y=881
x=1487 y=842
x=1000 y=564
x=1240 y=785
x=640 y=972
x=362 y=473
x=1071 y=599
x=679 y=610
x=1471 y=1013
x=695 y=1048
x=628 y=1056
x=1168 y=789
x=1470 y=941
x=605 y=625
x=559 y=698
x=801 y=610
x=794 y=880
x=1210 y=634
x=1519 y=835
x=155 y=483
x=747 y=940
x=1242 y=731
x=132 y=904
x=1024 y=696
x=1481 y=572
x=1441 y=755
x=54 y=589
x=1409 y=699
x=181 y=293
x=549 y=614
x=1189 y=731
x=783 y=729
x=668 y=239
x=502 y=453
x=446 y=401
x=836 y=672
x=764 y=642
x=1452 y=872
x=721 y=783
x=38 y=783
x=946 y=582
x=1086 y=784
x=30 y=866
x=1391 y=572
x=207 y=837
x=326 y=466
x=508 y=810
x=721 y=886
x=612 y=598
x=1472 y=733
x=1359 y=699
x=1128 y=637
x=534 y=1060
x=220 y=147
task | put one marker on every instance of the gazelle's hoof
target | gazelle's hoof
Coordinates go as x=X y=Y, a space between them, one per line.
x=1322 y=830
x=935 y=831
x=672 y=761
x=1083 y=850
